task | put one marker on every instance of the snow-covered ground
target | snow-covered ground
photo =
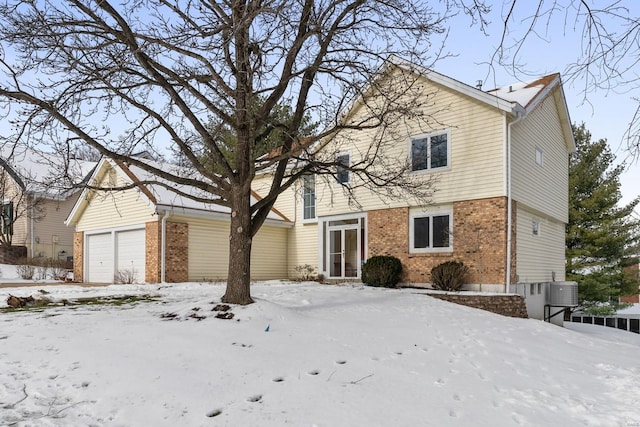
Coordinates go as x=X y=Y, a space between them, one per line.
x=306 y=355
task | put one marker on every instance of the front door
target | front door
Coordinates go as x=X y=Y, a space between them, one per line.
x=343 y=252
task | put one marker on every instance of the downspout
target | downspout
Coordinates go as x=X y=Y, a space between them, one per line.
x=163 y=251
x=31 y=226
x=520 y=116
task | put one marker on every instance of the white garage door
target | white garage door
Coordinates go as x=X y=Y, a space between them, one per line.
x=130 y=254
x=100 y=258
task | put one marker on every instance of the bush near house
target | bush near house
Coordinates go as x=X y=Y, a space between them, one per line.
x=449 y=276
x=382 y=271
x=43 y=268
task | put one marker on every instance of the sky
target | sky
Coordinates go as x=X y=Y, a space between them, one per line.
x=606 y=113
x=304 y=354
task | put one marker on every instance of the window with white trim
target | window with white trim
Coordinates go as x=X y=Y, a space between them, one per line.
x=6 y=218
x=430 y=151
x=539 y=156
x=535 y=227
x=342 y=173
x=308 y=197
x=431 y=232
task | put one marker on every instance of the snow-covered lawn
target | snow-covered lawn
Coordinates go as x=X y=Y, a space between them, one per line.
x=331 y=356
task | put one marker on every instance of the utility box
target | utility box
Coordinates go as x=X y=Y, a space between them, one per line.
x=563 y=294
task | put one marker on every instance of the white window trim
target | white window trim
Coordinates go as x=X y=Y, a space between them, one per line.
x=429 y=135
x=313 y=219
x=340 y=154
x=424 y=214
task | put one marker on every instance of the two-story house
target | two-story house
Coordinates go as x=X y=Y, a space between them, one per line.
x=500 y=159
x=501 y=162
x=34 y=206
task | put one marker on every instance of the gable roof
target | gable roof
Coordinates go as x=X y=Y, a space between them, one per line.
x=162 y=195
x=43 y=174
x=517 y=99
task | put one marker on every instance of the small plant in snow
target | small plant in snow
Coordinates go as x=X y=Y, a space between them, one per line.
x=126 y=276
x=305 y=272
x=26 y=271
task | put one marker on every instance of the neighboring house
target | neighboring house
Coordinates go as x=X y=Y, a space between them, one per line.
x=34 y=206
x=154 y=235
x=632 y=271
x=501 y=158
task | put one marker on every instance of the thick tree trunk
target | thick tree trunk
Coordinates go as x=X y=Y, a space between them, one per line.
x=239 y=276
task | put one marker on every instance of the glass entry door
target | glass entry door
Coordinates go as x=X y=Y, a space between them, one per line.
x=343 y=252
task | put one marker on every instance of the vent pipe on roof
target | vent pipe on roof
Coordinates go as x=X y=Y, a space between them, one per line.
x=479 y=84
x=510 y=89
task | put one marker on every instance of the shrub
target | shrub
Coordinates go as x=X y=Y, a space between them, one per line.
x=25 y=269
x=449 y=276
x=305 y=272
x=125 y=276
x=382 y=271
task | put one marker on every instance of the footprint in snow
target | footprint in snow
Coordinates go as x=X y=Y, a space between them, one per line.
x=340 y=362
x=254 y=398
x=314 y=372
x=214 y=413
x=278 y=379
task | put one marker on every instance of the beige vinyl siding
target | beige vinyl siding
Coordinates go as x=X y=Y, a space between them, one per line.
x=477 y=162
x=538 y=256
x=51 y=232
x=269 y=253
x=209 y=250
x=114 y=209
x=303 y=247
x=285 y=204
x=542 y=187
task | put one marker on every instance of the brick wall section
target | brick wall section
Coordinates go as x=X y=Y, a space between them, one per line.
x=152 y=252
x=176 y=255
x=506 y=305
x=78 y=256
x=480 y=228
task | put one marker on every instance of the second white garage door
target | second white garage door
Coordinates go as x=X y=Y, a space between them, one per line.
x=130 y=253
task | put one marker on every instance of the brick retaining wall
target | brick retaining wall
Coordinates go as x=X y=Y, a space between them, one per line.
x=506 y=305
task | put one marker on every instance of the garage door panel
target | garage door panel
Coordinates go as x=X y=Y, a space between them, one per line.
x=130 y=254
x=100 y=258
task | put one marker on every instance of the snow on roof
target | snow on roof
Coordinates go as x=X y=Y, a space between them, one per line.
x=166 y=194
x=523 y=92
x=46 y=174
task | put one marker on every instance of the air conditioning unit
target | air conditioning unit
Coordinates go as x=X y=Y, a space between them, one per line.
x=563 y=294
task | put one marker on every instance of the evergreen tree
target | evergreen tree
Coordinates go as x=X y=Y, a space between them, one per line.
x=602 y=236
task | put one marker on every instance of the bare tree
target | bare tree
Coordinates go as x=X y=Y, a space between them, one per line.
x=166 y=69
x=606 y=59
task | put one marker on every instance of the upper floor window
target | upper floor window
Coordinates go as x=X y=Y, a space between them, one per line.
x=539 y=156
x=308 y=196
x=6 y=219
x=342 y=172
x=431 y=231
x=535 y=227
x=430 y=151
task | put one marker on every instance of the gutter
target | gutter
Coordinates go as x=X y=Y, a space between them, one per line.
x=520 y=115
